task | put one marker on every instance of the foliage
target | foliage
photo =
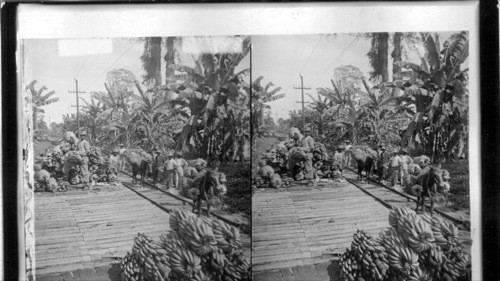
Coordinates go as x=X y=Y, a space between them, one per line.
x=436 y=96
x=38 y=100
x=239 y=194
x=216 y=101
x=261 y=95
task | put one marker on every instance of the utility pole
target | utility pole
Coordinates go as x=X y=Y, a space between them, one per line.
x=77 y=105
x=303 y=107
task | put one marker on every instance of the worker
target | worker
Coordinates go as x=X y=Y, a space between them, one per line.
x=338 y=158
x=306 y=144
x=395 y=162
x=405 y=161
x=122 y=158
x=181 y=164
x=114 y=160
x=157 y=167
x=347 y=154
x=84 y=149
x=170 y=171
x=383 y=164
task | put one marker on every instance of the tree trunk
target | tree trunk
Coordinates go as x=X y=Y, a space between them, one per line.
x=156 y=57
x=379 y=54
x=396 y=53
x=170 y=56
x=151 y=60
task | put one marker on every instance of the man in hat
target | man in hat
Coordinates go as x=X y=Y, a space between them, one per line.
x=383 y=163
x=347 y=153
x=170 y=170
x=338 y=158
x=84 y=149
x=122 y=158
x=307 y=144
x=180 y=165
x=157 y=167
x=114 y=160
x=405 y=161
x=395 y=162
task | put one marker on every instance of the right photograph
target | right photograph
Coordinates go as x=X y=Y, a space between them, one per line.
x=360 y=156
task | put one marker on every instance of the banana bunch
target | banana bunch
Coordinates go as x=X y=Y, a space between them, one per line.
x=415 y=230
x=368 y=257
x=390 y=239
x=152 y=257
x=397 y=212
x=196 y=249
x=227 y=237
x=184 y=262
x=131 y=268
x=349 y=266
x=403 y=258
x=455 y=264
x=435 y=257
x=198 y=235
x=419 y=274
x=176 y=216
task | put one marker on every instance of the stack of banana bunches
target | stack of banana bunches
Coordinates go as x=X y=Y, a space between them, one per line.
x=196 y=248
x=49 y=174
x=415 y=247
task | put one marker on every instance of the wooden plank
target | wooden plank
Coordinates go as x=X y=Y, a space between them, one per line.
x=307 y=272
x=86 y=274
x=274 y=258
x=279 y=265
x=267 y=276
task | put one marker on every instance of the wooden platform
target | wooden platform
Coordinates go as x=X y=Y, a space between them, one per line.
x=88 y=229
x=306 y=226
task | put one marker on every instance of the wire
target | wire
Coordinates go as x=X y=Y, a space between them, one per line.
x=106 y=70
x=78 y=73
x=337 y=58
x=309 y=59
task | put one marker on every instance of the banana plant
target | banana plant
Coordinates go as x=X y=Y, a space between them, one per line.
x=437 y=89
x=39 y=99
x=261 y=95
x=207 y=92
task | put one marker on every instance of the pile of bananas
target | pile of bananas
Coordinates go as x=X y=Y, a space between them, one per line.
x=196 y=248
x=415 y=247
x=365 y=260
x=147 y=261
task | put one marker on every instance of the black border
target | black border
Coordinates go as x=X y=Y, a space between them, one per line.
x=490 y=142
x=9 y=142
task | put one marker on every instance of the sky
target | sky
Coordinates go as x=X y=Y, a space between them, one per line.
x=55 y=63
x=281 y=59
x=278 y=58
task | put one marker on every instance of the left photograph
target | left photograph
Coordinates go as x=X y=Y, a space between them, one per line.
x=136 y=158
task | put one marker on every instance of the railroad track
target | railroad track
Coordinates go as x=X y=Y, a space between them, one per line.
x=385 y=195
x=142 y=192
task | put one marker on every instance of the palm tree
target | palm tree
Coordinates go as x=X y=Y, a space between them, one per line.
x=120 y=84
x=319 y=108
x=260 y=96
x=38 y=100
x=93 y=109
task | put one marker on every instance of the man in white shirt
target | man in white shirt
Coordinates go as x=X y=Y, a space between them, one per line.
x=405 y=161
x=347 y=153
x=338 y=158
x=122 y=158
x=395 y=162
x=180 y=165
x=170 y=169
